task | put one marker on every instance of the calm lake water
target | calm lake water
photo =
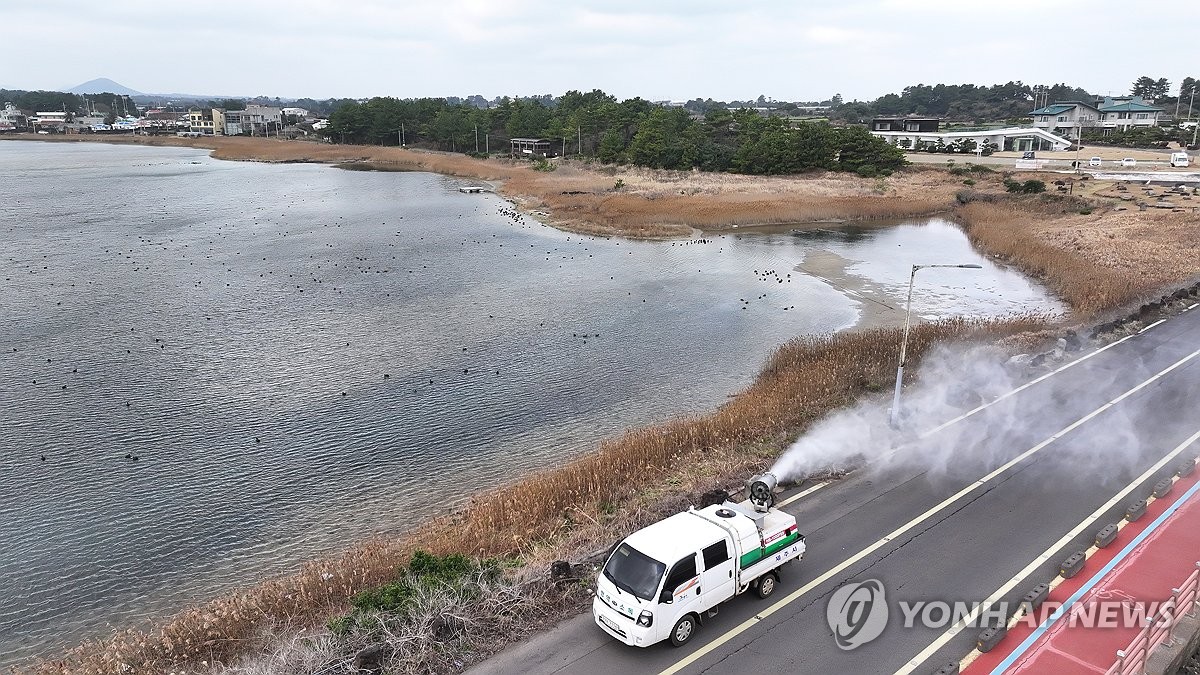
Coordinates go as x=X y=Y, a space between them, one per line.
x=300 y=357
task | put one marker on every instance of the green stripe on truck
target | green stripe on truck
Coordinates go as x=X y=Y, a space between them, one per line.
x=751 y=557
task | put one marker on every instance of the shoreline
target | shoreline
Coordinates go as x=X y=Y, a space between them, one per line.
x=487 y=521
x=602 y=200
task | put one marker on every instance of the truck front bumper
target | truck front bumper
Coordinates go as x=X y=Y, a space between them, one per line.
x=622 y=627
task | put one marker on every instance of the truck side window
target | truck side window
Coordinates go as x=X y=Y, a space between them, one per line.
x=715 y=555
x=682 y=571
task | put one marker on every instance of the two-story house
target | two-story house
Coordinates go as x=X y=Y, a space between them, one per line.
x=11 y=118
x=1123 y=112
x=255 y=120
x=1066 y=118
x=908 y=124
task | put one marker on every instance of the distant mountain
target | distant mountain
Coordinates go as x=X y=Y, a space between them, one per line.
x=102 y=84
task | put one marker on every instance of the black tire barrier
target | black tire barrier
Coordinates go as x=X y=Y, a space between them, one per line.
x=1106 y=535
x=1109 y=326
x=1186 y=468
x=1035 y=597
x=948 y=669
x=1135 y=510
x=1072 y=565
x=1163 y=487
x=990 y=637
x=560 y=569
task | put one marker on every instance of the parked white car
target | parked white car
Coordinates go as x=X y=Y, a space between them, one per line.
x=1095 y=161
x=1128 y=161
x=1180 y=160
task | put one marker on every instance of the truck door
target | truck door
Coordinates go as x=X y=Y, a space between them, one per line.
x=716 y=581
x=682 y=588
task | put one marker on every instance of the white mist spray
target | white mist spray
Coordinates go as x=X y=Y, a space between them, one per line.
x=956 y=379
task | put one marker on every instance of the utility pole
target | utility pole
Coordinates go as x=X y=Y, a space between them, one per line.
x=477 y=139
x=1190 y=106
x=1078 y=138
x=402 y=139
x=487 y=143
x=579 y=130
x=399 y=139
x=564 y=146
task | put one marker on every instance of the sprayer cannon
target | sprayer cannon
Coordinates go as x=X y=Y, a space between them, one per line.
x=760 y=490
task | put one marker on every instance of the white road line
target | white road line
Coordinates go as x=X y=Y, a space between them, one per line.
x=837 y=569
x=1029 y=384
x=1041 y=559
x=805 y=493
x=1151 y=326
x=1096 y=578
x=1192 y=306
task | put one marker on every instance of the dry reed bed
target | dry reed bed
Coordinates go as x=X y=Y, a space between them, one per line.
x=622 y=213
x=1095 y=262
x=804 y=379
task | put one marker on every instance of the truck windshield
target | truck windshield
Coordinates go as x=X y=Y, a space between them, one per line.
x=631 y=570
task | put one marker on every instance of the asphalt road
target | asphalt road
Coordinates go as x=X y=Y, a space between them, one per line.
x=1024 y=472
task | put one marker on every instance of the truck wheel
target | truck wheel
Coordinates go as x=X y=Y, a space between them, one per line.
x=766 y=585
x=683 y=631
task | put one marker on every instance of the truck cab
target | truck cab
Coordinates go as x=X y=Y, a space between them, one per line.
x=658 y=583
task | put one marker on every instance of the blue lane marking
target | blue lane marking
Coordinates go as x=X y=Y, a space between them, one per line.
x=1041 y=630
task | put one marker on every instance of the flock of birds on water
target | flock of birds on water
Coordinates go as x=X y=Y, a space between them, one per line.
x=190 y=252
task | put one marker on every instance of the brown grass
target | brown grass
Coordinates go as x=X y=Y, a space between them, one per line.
x=1094 y=261
x=581 y=197
x=805 y=379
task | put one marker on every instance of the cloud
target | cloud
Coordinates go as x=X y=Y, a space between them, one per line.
x=832 y=35
x=675 y=49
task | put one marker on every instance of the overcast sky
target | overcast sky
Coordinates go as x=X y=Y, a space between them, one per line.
x=657 y=49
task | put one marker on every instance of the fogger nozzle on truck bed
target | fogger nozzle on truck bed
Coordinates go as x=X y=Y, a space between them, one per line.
x=760 y=490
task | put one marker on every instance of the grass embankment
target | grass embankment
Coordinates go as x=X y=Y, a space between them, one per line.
x=558 y=513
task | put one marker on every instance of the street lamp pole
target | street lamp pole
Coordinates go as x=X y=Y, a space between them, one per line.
x=894 y=417
x=1078 y=139
x=1191 y=103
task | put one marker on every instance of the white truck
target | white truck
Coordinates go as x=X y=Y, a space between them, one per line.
x=661 y=580
x=1180 y=160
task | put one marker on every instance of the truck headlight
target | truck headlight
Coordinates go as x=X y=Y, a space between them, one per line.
x=646 y=618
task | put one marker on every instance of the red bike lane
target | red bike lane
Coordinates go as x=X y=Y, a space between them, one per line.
x=1105 y=608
